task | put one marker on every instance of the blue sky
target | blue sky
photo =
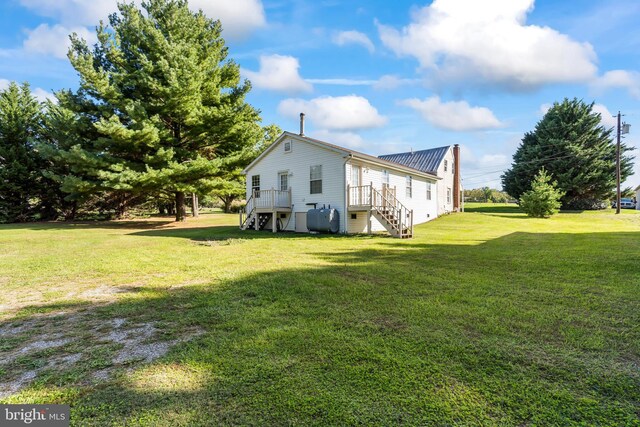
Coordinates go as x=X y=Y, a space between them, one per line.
x=384 y=77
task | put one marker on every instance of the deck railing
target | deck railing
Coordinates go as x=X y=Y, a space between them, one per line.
x=385 y=203
x=267 y=200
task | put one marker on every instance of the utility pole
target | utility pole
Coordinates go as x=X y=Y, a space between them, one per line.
x=618 y=168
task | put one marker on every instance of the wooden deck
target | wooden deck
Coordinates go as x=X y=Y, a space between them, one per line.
x=264 y=202
x=383 y=204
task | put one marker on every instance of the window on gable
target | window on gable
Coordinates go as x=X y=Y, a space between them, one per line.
x=255 y=185
x=315 y=179
x=409 y=184
x=445 y=165
x=287 y=146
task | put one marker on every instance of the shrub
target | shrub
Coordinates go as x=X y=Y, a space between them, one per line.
x=543 y=200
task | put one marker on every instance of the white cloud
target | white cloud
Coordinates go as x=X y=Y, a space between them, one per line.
x=343 y=82
x=386 y=82
x=42 y=95
x=54 y=40
x=353 y=37
x=493 y=160
x=544 y=108
x=340 y=113
x=39 y=93
x=453 y=115
x=73 y=12
x=344 y=139
x=606 y=117
x=238 y=17
x=278 y=73
x=389 y=82
x=623 y=79
x=490 y=41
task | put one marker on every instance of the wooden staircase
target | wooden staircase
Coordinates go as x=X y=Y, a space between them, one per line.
x=263 y=206
x=392 y=214
x=384 y=206
x=250 y=221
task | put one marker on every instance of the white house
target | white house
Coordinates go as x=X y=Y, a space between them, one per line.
x=297 y=173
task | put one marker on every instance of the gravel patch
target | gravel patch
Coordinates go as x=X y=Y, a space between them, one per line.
x=117 y=322
x=139 y=343
x=16 y=329
x=43 y=345
x=144 y=352
x=11 y=387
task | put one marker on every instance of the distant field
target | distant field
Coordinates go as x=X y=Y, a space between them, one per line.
x=484 y=318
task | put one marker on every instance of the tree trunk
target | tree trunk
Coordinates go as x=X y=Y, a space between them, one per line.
x=227 y=201
x=195 y=209
x=70 y=214
x=181 y=214
x=121 y=207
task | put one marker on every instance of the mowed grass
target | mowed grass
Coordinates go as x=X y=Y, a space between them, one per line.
x=484 y=318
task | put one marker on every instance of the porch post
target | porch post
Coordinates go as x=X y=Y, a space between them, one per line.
x=274 y=222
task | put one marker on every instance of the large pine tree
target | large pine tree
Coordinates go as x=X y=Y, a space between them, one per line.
x=576 y=149
x=160 y=109
x=20 y=116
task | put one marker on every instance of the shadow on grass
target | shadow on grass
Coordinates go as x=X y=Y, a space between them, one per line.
x=222 y=233
x=524 y=329
x=494 y=209
x=75 y=225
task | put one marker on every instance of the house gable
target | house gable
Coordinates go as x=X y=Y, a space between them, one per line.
x=293 y=138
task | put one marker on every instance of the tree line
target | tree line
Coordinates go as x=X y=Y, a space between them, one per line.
x=160 y=112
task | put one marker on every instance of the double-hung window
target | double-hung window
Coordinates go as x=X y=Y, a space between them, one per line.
x=255 y=185
x=409 y=185
x=448 y=195
x=283 y=181
x=315 y=179
x=428 y=191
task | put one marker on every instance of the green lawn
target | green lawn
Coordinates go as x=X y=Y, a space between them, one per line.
x=484 y=318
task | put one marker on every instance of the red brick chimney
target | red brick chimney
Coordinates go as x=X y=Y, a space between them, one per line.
x=456 y=178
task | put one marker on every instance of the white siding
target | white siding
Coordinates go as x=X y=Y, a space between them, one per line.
x=445 y=182
x=297 y=164
x=423 y=209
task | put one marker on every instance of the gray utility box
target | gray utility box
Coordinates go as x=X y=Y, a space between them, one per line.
x=323 y=220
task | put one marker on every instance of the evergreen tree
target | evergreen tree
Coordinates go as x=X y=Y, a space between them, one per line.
x=543 y=200
x=20 y=114
x=234 y=186
x=573 y=146
x=160 y=109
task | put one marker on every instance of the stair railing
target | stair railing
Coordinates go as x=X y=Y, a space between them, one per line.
x=387 y=205
x=247 y=211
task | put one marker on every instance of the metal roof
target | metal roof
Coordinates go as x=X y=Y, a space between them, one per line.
x=423 y=160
